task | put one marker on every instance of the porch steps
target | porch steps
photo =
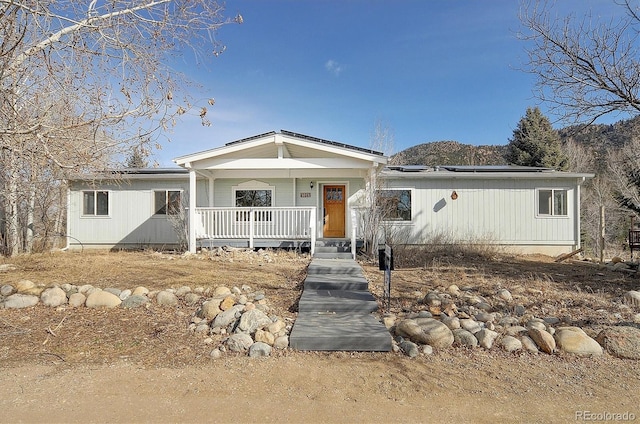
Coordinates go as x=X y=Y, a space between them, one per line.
x=333 y=249
x=334 y=312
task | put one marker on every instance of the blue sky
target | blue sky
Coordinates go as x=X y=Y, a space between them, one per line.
x=429 y=70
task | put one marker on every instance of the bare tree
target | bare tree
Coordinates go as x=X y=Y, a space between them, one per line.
x=85 y=82
x=586 y=67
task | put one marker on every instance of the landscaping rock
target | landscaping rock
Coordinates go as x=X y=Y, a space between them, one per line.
x=225 y=318
x=575 y=340
x=528 y=344
x=409 y=348
x=464 y=338
x=23 y=286
x=239 y=342
x=7 y=290
x=486 y=338
x=470 y=325
x=135 y=301
x=264 y=337
x=102 y=299
x=53 y=297
x=253 y=320
x=281 y=342
x=143 y=291
x=621 y=342
x=259 y=349
x=510 y=344
x=19 y=301
x=505 y=295
x=166 y=298
x=544 y=340
x=77 y=300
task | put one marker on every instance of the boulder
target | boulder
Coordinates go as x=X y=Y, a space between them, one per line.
x=622 y=341
x=464 y=338
x=225 y=318
x=166 y=298
x=7 y=290
x=426 y=331
x=239 y=342
x=486 y=338
x=253 y=320
x=544 y=340
x=281 y=342
x=23 y=286
x=135 y=301
x=470 y=325
x=409 y=348
x=264 y=337
x=77 y=299
x=53 y=297
x=510 y=344
x=575 y=340
x=529 y=344
x=19 y=301
x=259 y=349
x=210 y=309
x=102 y=299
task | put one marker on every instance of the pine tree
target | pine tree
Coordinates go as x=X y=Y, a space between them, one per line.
x=137 y=159
x=536 y=143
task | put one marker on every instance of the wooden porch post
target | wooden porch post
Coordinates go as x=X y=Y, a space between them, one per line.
x=192 y=210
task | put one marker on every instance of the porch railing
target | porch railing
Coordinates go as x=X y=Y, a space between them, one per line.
x=286 y=223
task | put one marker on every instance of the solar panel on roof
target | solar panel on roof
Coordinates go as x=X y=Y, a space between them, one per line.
x=330 y=143
x=253 y=137
x=493 y=168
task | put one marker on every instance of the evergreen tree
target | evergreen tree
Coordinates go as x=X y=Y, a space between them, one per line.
x=137 y=159
x=536 y=143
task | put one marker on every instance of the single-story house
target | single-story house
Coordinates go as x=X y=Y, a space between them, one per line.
x=283 y=189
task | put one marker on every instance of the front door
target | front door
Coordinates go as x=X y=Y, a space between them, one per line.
x=334 y=212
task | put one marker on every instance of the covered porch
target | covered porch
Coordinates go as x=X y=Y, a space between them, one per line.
x=277 y=189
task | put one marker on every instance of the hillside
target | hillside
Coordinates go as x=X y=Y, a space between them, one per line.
x=596 y=137
x=449 y=153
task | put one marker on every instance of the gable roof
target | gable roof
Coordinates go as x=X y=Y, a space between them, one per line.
x=272 y=145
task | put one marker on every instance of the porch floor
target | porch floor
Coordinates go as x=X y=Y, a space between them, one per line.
x=334 y=312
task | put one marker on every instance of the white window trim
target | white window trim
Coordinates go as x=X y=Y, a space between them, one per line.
x=551 y=215
x=95 y=205
x=153 y=201
x=413 y=215
x=254 y=185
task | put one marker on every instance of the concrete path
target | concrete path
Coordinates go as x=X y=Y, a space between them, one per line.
x=334 y=312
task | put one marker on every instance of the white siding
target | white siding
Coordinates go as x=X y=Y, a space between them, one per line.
x=491 y=210
x=130 y=220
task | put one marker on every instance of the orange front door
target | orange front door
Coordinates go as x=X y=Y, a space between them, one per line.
x=333 y=211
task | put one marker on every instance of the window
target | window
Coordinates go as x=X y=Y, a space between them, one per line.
x=95 y=203
x=254 y=198
x=167 y=202
x=395 y=205
x=552 y=202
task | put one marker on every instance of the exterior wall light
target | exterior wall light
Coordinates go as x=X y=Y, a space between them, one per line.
x=311 y=185
x=454 y=195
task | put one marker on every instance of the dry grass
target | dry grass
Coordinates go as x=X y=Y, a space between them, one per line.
x=577 y=293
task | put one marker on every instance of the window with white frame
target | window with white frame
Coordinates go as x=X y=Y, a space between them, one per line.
x=95 y=203
x=254 y=198
x=167 y=202
x=552 y=202
x=395 y=204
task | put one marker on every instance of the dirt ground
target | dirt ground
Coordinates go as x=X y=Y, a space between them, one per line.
x=142 y=365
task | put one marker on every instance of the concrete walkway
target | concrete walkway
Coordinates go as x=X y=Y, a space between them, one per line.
x=335 y=309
